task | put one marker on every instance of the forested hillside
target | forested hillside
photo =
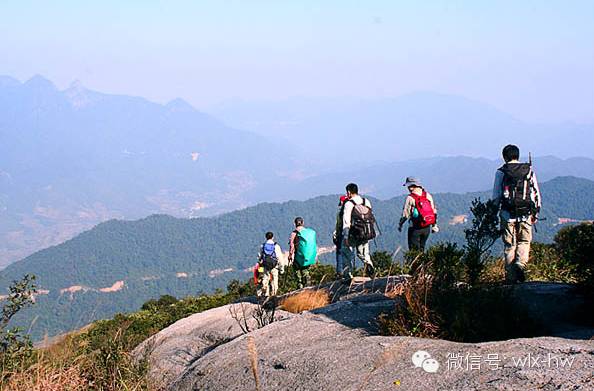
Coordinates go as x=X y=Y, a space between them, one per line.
x=118 y=265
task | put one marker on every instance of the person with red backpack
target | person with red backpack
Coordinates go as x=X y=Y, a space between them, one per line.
x=357 y=228
x=419 y=209
x=517 y=194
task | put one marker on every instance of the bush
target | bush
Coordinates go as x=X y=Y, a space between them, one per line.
x=546 y=265
x=384 y=264
x=575 y=245
x=432 y=305
x=480 y=237
x=16 y=348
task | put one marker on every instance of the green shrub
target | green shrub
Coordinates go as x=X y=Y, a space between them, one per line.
x=16 y=349
x=480 y=237
x=546 y=265
x=384 y=264
x=575 y=245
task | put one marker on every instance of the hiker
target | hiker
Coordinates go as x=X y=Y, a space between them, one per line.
x=357 y=227
x=517 y=195
x=337 y=237
x=303 y=251
x=268 y=267
x=420 y=211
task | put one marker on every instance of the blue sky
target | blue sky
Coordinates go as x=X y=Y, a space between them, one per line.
x=533 y=59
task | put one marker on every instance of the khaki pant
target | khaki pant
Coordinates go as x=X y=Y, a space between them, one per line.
x=516 y=241
x=348 y=260
x=269 y=285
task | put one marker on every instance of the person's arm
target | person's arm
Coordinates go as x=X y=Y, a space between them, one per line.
x=346 y=219
x=497 y=188
x=536 y=196
x=406 y=211
x=292 y=246
x=281 y=258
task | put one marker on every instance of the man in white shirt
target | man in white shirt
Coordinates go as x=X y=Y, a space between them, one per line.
x=516 y=192
x=349 y=246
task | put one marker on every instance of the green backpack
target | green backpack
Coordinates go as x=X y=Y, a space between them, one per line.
x=307 y=248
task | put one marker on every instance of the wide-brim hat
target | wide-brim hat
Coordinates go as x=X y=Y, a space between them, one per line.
x=412 y=181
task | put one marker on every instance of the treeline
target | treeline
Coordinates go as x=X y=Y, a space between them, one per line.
x=147 y=254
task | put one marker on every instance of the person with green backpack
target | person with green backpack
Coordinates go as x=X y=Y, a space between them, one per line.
x=303 y=251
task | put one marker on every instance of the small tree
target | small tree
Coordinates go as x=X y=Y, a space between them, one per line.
x=576 y=246
x=480 y=237
x=15 y=347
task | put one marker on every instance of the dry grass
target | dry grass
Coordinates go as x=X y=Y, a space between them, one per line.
x=62 y=366
x=46 y=377
x=306 y=300
x=253 y=356
x=494 y=271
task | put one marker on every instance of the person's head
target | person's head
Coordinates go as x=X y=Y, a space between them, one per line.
x=269 y=235
x=412 y=183
x=299 y=222
x=510 y=152
x=352 y=189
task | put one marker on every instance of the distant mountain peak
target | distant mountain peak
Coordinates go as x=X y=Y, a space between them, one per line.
x=178 y=104
x=7 y=81
x=39 y=82
x=78 y=95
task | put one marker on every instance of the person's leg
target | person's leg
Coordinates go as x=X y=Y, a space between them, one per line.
x=364 y=255
x=523 y=240
x=509 y=250
x=339 y=261
x=274 y=282
x=306 y=276
x=266 y=283
x=413 y=239
x=423 y=236
x=348 y=258
x=299 y=276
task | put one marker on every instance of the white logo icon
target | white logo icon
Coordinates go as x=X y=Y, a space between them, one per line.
x=422 y=359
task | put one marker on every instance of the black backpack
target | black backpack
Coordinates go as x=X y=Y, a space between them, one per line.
x=516 y=197
x=362 y=224
x=269 y=260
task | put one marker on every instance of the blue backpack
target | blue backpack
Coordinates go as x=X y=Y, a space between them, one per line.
x=269 y=259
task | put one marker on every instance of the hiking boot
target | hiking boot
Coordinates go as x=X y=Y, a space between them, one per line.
x=521 y=276
x=369 y=270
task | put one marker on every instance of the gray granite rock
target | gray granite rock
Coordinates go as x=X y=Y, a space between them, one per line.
x=337 y=348
x=174 y=348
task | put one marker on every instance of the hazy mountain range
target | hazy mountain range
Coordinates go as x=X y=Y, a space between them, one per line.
x=413 y=126
x=74 y=158
x=118 y=265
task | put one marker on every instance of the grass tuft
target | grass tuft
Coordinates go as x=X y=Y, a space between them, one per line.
x=306 y=300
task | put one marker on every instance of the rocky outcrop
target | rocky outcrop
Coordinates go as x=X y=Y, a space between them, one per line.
x=337 y=348
x=176 y=347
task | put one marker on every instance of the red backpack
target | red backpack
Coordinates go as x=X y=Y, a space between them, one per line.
x=426 y=214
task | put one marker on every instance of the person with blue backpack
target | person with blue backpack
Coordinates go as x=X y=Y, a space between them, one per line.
x=303 y=251
x=268 y=266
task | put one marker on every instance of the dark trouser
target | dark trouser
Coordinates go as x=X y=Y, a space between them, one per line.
x=302 y=275
x=417 y=237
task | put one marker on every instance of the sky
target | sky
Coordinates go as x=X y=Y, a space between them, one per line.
x=532 y=59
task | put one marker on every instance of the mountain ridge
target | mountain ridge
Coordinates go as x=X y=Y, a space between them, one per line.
x=161 y=254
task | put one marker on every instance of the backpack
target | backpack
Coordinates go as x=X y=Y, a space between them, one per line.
x=426 y=214
x=516 y=193
x=307 y=247
x=269 y=259
x=362 y=223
